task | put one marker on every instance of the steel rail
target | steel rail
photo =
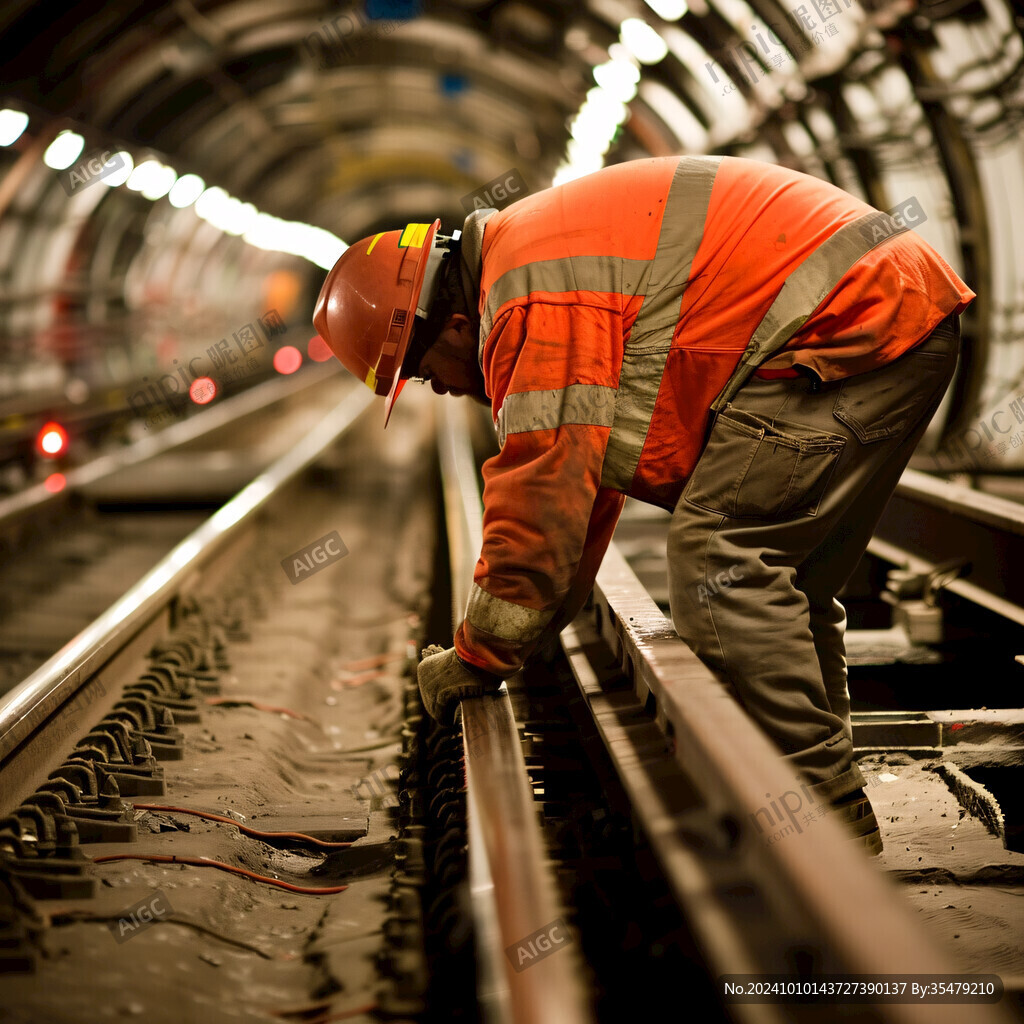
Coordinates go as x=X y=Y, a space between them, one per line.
x=977 y=506
x=28 y=705
x=807 y=901
x=930 y=523
x=513 y=892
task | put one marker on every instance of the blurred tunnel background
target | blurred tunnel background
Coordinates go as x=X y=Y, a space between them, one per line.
x=183 y=174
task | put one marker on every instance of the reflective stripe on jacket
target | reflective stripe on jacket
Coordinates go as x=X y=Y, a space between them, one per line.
x=614 y=311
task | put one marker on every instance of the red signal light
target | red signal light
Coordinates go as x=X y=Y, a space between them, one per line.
x=52 y=441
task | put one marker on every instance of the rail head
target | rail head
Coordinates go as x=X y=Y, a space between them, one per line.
x=513 y=892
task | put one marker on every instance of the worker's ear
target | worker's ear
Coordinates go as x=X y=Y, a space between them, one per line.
x=461 y=328
x=459 y=321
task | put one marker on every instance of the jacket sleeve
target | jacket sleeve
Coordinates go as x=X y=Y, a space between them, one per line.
x=552 y=372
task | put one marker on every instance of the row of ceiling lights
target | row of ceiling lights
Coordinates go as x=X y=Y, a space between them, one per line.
x=604 y=111
x=592 y=131
x=154 y=180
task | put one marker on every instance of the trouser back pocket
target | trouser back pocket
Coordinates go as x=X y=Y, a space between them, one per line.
x=760 y=469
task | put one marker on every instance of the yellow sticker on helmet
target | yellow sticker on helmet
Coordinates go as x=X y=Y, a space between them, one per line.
x=413 y=235
x=376 y=239
x=371 y=380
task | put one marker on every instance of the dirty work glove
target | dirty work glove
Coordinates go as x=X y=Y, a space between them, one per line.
x=445 y=679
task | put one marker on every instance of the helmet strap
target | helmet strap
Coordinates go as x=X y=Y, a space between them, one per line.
x=432 y=275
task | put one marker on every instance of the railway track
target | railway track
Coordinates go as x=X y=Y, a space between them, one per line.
x=193 y=666
x=222 y=800
x=67 y=554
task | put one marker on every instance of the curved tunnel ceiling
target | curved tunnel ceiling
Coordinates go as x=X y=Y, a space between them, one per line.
x=358 y=118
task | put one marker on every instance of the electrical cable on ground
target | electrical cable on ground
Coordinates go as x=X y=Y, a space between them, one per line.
x=74 y=918
x=202 y=862
x=247 y=829
x=248 y=702
x=375 y=661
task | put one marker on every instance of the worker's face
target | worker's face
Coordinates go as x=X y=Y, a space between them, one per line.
x=450 y=364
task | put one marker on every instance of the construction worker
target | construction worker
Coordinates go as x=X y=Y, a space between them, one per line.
x=744 y=345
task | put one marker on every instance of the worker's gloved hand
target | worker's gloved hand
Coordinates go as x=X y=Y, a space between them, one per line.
x=445 y=679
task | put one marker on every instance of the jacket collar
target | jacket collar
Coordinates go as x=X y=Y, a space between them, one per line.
x=472 y=249
x=472 y=244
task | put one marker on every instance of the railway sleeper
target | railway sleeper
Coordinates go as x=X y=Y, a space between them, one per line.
x=81 y=800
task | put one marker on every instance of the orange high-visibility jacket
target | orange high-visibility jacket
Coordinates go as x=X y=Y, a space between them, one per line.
x=614 y=309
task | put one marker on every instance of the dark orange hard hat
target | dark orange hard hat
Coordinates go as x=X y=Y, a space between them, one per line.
x=369 y=301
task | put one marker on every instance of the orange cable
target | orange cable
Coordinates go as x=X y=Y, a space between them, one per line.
x=357 y=680
x=200 y=862
x=247 y=829
x=259 y=706
x=373 y=662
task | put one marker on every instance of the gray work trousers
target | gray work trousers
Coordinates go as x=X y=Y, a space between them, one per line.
x=774 y=519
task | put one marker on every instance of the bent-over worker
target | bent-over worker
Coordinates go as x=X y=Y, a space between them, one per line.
x=744 y=345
